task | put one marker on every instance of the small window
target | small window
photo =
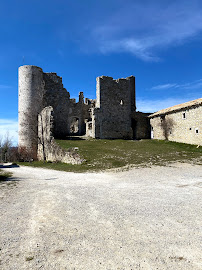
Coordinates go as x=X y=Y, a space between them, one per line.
x=196 y=131
x=189 y=128
x=184 y=115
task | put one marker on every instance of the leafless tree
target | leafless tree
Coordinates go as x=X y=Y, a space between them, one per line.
x=5 y=147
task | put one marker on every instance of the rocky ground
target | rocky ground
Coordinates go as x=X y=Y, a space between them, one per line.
x=148 y=218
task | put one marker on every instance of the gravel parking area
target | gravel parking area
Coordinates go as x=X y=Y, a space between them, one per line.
x=146 y=218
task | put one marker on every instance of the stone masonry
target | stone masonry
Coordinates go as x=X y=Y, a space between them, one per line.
x=111 y=116
x=180 y=123
x=48 y=149
x=114 y=106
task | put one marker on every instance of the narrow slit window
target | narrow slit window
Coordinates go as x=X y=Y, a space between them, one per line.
x=196 y=131
x=184 y=115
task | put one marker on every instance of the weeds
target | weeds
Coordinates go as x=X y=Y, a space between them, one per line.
x=4 y=175
x=29 y=258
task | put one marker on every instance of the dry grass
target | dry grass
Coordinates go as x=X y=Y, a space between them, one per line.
x=4 y=175
x=108 y=154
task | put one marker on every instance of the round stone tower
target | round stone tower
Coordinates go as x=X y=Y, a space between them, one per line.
x=30 y=100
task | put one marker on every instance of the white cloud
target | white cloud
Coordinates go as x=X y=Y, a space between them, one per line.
x=164 y=86
x=9 y=126
x=143 y=28
x=190 y=85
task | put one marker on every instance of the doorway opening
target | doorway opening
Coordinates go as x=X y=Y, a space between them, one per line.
x=74 y=126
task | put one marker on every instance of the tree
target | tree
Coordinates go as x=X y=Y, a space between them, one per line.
x=5 y=147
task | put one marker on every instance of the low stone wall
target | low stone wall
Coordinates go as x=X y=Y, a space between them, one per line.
x=48 y=149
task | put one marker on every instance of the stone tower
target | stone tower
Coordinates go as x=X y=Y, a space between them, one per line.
x=30 y=104
x=115 y=104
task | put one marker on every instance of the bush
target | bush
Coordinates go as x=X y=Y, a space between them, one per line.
x=24 y=154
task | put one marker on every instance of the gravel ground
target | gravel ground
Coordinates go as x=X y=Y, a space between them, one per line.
x=148 y=218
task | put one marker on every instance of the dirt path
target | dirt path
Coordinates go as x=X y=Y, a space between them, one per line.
x=147 y=219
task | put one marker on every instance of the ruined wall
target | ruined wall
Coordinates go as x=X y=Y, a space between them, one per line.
x=141 y=126
x=30 y=103
x=67 y=111
x=57 y=96
x=38 y=90
x=115 y=102
x=183 y=126
x=48 y=149
x=110 y=116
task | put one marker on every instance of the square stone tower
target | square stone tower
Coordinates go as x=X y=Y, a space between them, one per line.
x=115 y=104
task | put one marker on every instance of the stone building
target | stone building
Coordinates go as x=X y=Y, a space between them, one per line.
x=111 y=116
x=180 y=123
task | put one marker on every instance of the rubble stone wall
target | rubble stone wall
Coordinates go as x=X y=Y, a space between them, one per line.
x=186 y=126
x=65 y=109
x=141 y=126
x=48 y=149
x=110 y=116
x=114 y=105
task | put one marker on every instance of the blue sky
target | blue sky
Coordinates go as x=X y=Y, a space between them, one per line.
x=159 y=42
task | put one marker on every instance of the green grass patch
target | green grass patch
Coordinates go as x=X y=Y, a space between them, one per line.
x=107 y=154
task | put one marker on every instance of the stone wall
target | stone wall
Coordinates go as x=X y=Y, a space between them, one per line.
x=112 y=115
x=141 y=126
x=182 y=126
x=67 y=111
x=30 y=103
x=38 y=90
x=48 y=149
x=111 y=118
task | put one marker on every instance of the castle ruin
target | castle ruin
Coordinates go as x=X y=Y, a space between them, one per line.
x=112 y=115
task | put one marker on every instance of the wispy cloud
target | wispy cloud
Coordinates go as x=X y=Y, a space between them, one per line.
x=190 y=85
x=142 y=27
x=9 y=126
x=164 y=86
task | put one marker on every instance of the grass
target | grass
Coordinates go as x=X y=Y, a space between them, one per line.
x=4 y=175
x=108 y=154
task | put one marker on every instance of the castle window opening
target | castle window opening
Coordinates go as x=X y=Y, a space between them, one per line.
x=184 y=115
x=196 y=131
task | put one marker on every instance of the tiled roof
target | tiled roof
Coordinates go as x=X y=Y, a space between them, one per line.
x=193 y=103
